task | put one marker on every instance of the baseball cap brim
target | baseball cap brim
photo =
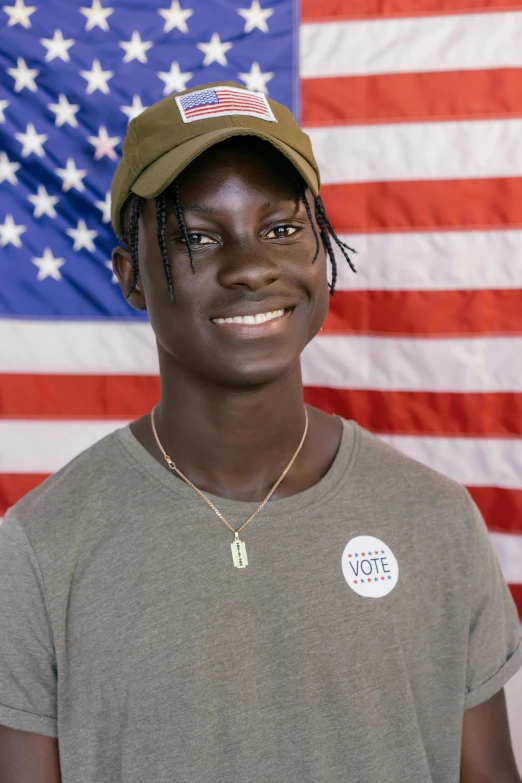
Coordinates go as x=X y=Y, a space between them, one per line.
x=164 y=170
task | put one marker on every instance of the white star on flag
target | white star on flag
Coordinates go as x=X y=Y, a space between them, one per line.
x=43 y=203
x=57 y=46
x=10 y=232
x=108 y=264
x=175 y=17
x=71 y=176
x=135 y=110
x=255 y=16
x=7 y=169
x=23 y=76
x=19 y=13
x=105 y=207
x=174 y=79
x=255 y=80
x=65 y=111
x=82 y=237
x=104 y=144
x=97 y=78
x=48 y=265
x=96 y=15
x=3 y=105
x=32 y=141
x=135 y=48
x=215 y=50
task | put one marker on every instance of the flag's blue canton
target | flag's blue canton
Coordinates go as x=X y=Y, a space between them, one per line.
x=65 y=97
x=205 y=98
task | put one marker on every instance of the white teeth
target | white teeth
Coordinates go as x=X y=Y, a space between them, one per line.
x=250 y=319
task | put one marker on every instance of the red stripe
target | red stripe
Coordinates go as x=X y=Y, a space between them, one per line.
x=501 y=508
x=426 y=204
x=424 y=413
x=238 y=98
x=14 y=486
x=516 y=592
x=412 y=97
x=226 y=110
x=434 y=313
x=123 y=398
x=336 y=10
x=77 y=397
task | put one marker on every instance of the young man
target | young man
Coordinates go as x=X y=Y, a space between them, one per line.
x=356 y=627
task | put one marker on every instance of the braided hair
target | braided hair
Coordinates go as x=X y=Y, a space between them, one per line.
x=133 y=211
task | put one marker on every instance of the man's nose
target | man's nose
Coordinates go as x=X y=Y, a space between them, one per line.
x=249 y=264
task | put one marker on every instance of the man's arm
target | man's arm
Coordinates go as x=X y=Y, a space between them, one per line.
x=28 y=758
x=487 y=754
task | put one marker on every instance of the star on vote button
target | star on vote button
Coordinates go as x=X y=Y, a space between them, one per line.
x=370 y=567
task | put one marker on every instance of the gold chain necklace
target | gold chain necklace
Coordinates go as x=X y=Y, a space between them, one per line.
x=239 y=555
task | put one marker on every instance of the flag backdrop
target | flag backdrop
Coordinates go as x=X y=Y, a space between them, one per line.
x=414 y=108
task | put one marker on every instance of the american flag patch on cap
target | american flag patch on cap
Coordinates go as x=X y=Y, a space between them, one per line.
x=217 y=101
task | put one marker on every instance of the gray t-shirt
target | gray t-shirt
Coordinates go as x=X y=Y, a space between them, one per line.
x=371 y=614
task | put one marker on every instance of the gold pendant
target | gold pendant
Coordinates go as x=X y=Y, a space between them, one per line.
x=239 y=555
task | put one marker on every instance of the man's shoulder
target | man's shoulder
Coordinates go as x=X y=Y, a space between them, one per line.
x=391 y=472
x=70 y=492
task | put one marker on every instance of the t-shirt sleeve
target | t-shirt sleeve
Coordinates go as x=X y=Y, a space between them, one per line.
x=27 y=658
x=494 y=649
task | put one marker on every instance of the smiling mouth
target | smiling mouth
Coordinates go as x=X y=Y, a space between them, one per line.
x=253 y=320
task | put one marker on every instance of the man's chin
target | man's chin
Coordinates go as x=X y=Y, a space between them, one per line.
x=253 y=374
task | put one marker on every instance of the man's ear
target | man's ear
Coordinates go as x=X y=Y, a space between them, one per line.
x=122 y=266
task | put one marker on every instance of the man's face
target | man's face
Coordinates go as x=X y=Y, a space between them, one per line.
x=252 y=246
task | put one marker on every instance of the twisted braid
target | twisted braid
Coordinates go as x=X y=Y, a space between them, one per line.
x=301 y=188
x=326 y=227
x=181 y=222
x=342 y=245
x=161 y=217
x=329 y=249
x=132 y=241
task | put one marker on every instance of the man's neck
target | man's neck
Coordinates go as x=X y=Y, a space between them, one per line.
x=235 y=443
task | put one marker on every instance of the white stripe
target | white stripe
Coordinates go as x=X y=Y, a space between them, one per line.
x=418 y=151
x=80 y=347
x=508 y=549
x=429 y=43
x=402 y=364
x=450 y=260
x=483 y=364
x=46 y=446
x=477 y=462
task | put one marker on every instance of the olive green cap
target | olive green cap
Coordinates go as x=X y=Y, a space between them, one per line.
x=169 y=135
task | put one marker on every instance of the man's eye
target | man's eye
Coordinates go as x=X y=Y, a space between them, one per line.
x=198 y=239
x=280 y=232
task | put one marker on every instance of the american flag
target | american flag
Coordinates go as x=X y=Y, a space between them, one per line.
x=223 y=100
x=414 y=108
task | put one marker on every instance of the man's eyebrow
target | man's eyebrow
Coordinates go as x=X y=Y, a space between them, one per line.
x=278 y=203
